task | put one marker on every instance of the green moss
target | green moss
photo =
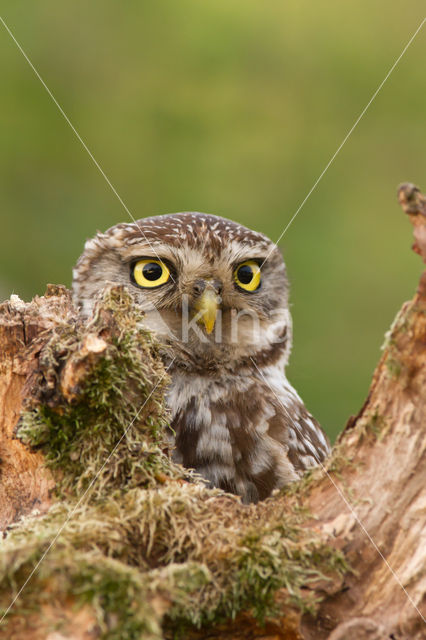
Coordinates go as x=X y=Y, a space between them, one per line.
x=114 y=423
x=204 y=560
x=339 y=460
x=145 y=548
x=375 y=424
x=127 y=602
x=398 y=331
x=393 y=366
x=301 y=488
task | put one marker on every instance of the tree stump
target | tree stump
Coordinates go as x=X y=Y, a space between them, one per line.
x=25 y=482
x=149 y=552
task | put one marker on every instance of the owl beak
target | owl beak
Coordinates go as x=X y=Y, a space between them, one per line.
x=207 y=305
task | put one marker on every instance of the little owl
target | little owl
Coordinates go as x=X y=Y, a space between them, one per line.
x=215 y=294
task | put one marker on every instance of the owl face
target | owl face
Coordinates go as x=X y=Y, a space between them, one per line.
x=211 y=289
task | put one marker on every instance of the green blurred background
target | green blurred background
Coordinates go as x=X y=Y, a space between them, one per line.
x=232 y=107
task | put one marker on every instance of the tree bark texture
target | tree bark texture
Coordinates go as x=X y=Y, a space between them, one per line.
x=368 y=501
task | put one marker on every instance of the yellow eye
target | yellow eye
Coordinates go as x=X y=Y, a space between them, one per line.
x=247 y=275
x=150 y=273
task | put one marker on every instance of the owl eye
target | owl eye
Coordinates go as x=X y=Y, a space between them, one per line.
x=247 y=275
x=150 y=273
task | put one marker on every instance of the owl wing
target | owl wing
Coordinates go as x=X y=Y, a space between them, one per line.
x=308 y=444
x=293 y=425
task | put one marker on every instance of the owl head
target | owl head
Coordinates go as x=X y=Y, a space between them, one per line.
x=213 y=292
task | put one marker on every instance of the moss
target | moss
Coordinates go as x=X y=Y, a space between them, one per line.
x=400 y=325
x=147 y=547
x=393 y=366
x=339 y=460
x=375 y=424
x=204 y=559
x=396 y=336
x=128 y=603
x=117 y=414
x=301 y=488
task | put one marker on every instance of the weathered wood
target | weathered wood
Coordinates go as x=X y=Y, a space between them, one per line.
x=25 y=483
x=374 y=506
x=369 y=500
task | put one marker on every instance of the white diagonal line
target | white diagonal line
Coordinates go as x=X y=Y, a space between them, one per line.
x=143 y=234
x=81 y=499
x=312 y=189
x=349 y=506
x=154 y=251
x=80 y=139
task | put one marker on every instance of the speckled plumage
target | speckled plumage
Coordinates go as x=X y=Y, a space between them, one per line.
x=235 y=417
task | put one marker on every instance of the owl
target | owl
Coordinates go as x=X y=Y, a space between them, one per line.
x=215 y=294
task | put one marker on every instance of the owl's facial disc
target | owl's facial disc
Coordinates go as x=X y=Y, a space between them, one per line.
x=196 y=298
x=202 y=282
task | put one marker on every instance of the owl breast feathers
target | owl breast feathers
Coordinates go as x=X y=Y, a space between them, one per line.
x=216 y=296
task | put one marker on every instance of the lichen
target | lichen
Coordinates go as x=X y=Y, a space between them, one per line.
x=149 y=548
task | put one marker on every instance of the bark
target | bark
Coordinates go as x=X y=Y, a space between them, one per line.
x=375 y=508
x=369 y=501
x=25 y=482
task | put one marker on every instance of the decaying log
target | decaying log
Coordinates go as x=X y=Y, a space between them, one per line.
x=341 y=555
x=25 y=482
x=375 y=504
